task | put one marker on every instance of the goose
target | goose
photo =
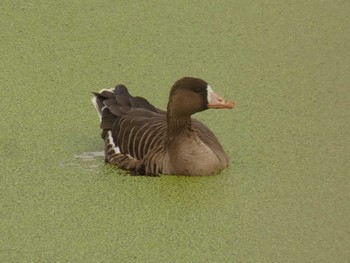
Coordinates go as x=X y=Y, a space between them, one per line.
x=145 y=140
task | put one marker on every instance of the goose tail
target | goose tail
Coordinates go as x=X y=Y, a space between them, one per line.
x=108 y=108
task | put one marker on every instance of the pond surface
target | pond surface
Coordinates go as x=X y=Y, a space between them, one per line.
x=285 y=196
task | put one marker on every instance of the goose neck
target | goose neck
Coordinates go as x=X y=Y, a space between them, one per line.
x=177 y=125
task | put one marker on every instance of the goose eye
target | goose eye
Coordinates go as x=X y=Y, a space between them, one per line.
x=198 y=89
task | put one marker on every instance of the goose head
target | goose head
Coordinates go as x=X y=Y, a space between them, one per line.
x=190 y=95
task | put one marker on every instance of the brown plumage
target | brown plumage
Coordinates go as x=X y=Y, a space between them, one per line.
x=148 y=141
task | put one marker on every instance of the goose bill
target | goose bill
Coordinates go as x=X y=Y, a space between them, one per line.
x=216 y=102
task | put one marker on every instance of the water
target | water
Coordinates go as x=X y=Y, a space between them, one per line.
x=285 y=195
x=89 y=156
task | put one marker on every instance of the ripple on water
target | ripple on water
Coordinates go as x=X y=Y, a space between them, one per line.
x=89 y=156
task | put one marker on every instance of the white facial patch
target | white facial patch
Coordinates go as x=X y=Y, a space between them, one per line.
x=209 y=91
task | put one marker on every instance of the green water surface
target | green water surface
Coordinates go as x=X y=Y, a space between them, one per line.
x=285 y=196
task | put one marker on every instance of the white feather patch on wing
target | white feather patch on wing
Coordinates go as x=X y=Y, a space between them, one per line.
x=111 y=142
x=117 y=150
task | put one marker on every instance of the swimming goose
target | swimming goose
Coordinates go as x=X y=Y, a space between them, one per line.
x=145 y=140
